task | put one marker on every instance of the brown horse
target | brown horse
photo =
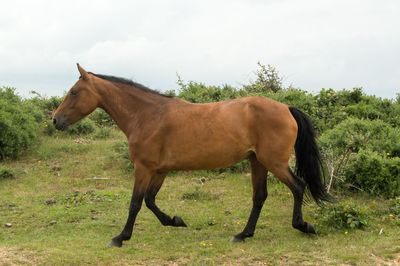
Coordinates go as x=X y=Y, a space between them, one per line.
x=166 y=133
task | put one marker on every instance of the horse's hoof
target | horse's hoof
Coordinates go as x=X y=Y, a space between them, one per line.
x=114 y=243
x=178 y=221
x=310 y=229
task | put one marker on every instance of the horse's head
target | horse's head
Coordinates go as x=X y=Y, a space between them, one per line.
x=80 y=101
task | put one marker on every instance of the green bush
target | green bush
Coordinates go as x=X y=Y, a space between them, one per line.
x=102 y=133
x=374 y=173
x=341 y=216
x=18 y=124
x=240 y=167
x=101 y=118
x=198 y=195
x=122 y=153
x=394 y=207
x=356 y=145
x=268 y=80
x=45 y=104
x=83 y=127
x=199 y=93
x=48 y=128
x=354 y=134
x=6 y=173
x=44 y=107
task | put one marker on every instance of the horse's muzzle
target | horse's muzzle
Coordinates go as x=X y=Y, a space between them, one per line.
x=60 y=123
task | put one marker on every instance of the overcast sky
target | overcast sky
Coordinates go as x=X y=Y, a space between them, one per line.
x=314 y=44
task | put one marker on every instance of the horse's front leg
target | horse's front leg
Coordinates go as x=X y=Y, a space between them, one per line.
x=142 y=180
x=150 y=199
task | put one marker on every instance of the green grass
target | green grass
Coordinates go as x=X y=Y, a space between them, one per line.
x=60 y=215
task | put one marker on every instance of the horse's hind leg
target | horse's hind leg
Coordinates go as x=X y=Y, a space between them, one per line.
x=260 y=193
x=297 y=186
x=150 y=200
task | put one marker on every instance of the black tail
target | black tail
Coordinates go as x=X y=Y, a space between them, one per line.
x=309 y=164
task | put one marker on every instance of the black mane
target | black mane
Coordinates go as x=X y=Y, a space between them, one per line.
x=129 y=83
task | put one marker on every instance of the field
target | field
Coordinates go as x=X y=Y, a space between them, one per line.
x=70 y=196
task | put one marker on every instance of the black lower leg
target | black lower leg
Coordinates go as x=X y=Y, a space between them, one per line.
x=135 y=206
x=297 y=221
x=163 y=217
x=259 y=180
x=249 y=229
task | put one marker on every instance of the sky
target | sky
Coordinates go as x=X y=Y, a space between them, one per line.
x=313 y=44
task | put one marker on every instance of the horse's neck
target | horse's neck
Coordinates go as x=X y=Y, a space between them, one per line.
x=125 y=104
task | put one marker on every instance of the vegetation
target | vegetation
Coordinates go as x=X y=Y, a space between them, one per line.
x=18 y=124
x=53 y=206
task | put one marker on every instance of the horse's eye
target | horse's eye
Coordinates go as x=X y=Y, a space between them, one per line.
x=74 y=93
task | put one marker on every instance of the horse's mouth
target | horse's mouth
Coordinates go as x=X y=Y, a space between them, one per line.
x=61 y=127
x=64 y=127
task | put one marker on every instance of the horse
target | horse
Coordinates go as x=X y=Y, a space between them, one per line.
x=169 y=134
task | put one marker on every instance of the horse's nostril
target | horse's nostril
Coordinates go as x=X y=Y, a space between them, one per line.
x=54 y=121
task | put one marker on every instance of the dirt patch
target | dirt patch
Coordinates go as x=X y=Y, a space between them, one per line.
x=13 y=256
x=386 y=262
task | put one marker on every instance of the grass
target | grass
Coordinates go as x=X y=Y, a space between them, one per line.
x=58 y=214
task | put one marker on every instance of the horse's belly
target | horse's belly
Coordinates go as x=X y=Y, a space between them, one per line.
x=206 y=155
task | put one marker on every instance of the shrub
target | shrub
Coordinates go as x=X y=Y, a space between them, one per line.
x=394 y=207
x=199 y=93
x=268 y=80
x=6 y=173
x=354 y=134
x=343 y=215
x=44 y=107
x=101 y=118
x=18 y=124
x=343 y=142
x=48 y=128
x=329 y=110
x=84 y=127
x=199 y=195
x=122 y=151
x=239 y=167
x=373 y=173
x=102 y=133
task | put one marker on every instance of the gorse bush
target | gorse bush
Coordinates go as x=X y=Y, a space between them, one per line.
x=102 y=133
x=6 y=173
x=394 y=207
x=18 y=124
x=354 y=134
x=101 y=118
x=363 y=154
x=268 y=80
x=83 y=127
x=342 y=216
x=199 y=93
x=374 y=173
x=121 y=152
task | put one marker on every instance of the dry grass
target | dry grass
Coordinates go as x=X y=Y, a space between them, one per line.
x=15 y=257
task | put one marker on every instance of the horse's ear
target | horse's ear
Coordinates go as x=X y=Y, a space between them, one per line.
x=84 y=74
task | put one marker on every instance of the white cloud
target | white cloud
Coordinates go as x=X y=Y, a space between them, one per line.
x=313 y=43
